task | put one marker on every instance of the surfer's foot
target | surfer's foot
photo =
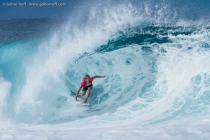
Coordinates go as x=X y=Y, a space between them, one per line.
x=85 y=101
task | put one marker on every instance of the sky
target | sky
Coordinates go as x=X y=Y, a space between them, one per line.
x=12 y=9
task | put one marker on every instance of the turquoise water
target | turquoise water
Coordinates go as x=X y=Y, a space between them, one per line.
x=157 y=72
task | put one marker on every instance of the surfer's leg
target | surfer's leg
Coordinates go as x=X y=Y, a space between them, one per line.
x=83 y=93
x=88 y=94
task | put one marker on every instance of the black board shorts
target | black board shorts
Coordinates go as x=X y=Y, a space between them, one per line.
x=85 y=88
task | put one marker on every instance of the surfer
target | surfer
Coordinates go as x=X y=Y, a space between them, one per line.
x=87 y=85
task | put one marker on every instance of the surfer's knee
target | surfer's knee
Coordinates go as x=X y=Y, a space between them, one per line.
x=83 y=93
x=89 y=89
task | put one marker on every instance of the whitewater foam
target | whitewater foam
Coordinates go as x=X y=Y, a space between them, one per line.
x=154 y=85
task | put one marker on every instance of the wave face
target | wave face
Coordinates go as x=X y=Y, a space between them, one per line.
x=157 y=69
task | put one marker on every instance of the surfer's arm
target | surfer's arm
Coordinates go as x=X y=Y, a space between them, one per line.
x=77 y=93
x=98 y=76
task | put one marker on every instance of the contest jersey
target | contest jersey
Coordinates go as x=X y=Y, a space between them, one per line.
x=84 y=83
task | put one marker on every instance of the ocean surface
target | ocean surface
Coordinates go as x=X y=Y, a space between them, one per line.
x=157 y=84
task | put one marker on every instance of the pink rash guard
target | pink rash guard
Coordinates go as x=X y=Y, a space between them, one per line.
x=84 y=83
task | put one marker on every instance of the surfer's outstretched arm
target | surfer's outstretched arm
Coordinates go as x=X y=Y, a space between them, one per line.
x=77 y=93
x=98 y=76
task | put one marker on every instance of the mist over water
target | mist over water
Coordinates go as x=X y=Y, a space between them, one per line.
x=157 y=67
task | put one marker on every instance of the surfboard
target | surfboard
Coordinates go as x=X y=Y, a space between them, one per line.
x=80 y=100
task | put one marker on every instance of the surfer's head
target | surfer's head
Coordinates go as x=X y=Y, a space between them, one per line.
x=86 y=77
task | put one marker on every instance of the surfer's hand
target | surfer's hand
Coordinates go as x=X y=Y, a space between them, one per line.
x=76 y=98
x=104 y=76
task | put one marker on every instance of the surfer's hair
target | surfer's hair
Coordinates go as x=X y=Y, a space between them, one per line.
x=86 y=76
